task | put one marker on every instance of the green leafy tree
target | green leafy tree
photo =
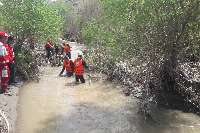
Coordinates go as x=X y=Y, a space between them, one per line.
x=156 y=33
x=33 y=21
x=30 y=18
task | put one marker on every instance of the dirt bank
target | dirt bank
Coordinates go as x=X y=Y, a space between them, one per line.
x=8 y=105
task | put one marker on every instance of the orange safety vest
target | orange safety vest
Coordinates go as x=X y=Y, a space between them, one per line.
x=79 y=68
x=67 y=65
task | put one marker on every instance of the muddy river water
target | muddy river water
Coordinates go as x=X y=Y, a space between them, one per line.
x=57 y=105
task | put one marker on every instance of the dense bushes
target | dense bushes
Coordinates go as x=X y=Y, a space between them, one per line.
x=151 y=35
x=31 y=19
x=26 y=62
x=31 y=22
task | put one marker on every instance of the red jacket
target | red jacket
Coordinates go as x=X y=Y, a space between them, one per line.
x=68 y=65
x=48 y=45
x=11 y=53
x=66 y=49
x=79 y=67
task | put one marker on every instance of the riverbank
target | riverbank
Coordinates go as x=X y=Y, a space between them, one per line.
x=8 y=104
x=151 y=85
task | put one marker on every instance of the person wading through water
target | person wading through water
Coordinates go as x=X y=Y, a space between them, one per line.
x=66 y=50
x=80 y=65
x=49 y=49
x=68 y=65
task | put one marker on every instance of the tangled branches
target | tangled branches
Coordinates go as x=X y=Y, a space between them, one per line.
x=153 y=82
x=27 y=62
x=128 y=73
x=4 y=124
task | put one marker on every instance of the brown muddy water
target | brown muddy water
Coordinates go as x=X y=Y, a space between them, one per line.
x=57 y=105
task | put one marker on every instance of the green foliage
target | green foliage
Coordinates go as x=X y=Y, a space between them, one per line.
x=26 y=62
x=30 y=18
x=64 y=10
x=157 y=34
x=33 y=21
x=146 y=28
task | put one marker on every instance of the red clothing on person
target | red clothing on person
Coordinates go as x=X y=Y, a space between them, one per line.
x=5 y=59
x=68 y=65
x=79 y=67
x=5 y=76
x=66 y=49
x=48 y=45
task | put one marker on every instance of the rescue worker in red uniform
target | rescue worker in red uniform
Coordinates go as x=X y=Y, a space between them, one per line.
x=49 y=48
x=68 y=65
x=5 y=59
x=79 y=66
x=67 y=50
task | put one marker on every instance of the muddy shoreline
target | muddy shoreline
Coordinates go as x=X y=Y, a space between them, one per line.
x=8 y=104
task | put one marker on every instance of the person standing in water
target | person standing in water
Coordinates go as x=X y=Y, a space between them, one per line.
x=79 y=66
x=49 y=48
x=66 y=50
x=68 y=65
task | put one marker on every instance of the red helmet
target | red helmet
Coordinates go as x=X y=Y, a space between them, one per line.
x=4 y=34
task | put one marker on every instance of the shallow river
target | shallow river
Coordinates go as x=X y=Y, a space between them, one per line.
x=57 y=105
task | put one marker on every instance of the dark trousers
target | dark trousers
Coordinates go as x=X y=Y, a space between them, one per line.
x=49 y=52
x=12 y=72
x=69 y=74
x=80 y=77
x=69 y=55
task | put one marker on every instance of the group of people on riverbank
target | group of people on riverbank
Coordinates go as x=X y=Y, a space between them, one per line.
x=71 y=67
x=7 y=61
